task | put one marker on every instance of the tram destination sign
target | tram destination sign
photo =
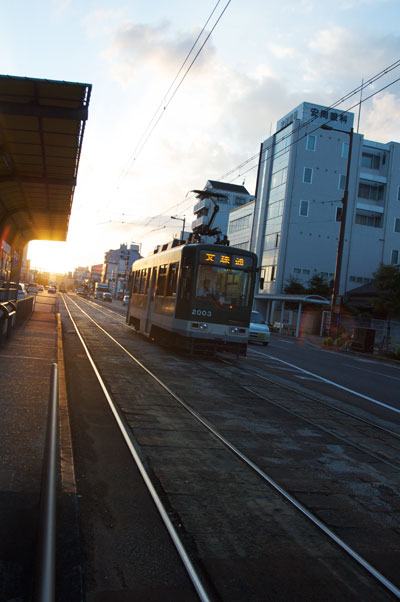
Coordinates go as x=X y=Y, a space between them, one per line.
x=226 y=260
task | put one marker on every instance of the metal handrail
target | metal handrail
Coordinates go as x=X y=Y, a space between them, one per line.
x=44 y=589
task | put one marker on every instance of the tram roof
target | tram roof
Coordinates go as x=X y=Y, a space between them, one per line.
x=41 y=132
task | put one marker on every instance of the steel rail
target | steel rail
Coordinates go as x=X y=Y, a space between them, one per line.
x=44 y=587
x=285 y=494
x=348 y=442
x=197 y=583
x=394 y=434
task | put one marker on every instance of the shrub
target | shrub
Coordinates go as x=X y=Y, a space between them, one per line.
x=397 y=353
x=339 y=342
x=328 y=341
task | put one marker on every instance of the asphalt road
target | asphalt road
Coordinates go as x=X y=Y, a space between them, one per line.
x=372 y=384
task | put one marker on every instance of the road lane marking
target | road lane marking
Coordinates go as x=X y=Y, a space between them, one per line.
x=330 y=382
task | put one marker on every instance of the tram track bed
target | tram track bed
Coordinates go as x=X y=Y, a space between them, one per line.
x=247 y=541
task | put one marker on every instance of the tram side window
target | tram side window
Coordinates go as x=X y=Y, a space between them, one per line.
x=136 y=281
x=143 y=281
x=147 y=283
x=186 y=283
x=162 y=279
x=172 y=279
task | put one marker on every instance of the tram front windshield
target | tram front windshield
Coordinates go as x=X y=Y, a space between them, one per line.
x=225 y=286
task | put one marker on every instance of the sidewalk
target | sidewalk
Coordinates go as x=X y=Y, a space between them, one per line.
x=25 y=364
x=318 y=341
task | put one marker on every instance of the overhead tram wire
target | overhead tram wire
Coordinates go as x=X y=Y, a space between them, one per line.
x=182 y=79
x=356 y=90
x=305 y=124
x=140 y=145
x=134 y=154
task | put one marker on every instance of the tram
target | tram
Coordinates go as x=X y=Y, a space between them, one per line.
x=196 y=297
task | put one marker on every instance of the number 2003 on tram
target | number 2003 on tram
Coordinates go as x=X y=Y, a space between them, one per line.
x=195 y=296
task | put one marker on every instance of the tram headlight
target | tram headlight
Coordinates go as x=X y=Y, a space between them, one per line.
x=200 y=325
x=237 y=330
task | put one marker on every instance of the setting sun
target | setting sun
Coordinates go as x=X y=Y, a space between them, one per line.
x=49 y=256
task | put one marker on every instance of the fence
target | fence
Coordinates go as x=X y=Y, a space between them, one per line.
x=380 y=327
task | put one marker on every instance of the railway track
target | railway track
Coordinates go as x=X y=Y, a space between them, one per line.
x=239 y=479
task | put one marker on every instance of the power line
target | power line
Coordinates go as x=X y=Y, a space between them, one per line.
x=356 y=90
x=286 y=150
x=164 y=105
x=347 y=96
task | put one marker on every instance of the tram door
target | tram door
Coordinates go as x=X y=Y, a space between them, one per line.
x=151 y=300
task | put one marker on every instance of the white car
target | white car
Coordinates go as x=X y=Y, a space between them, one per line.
x=125 y=300
x=258 y=329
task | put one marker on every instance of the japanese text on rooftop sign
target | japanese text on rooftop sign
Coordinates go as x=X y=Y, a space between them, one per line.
x=326 y=114
x=225 y=260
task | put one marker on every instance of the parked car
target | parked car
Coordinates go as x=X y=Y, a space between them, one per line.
x=40 y=288
x=32 y=287
x=258 y=330
x=107 y=297
x=125 y=300
x=22 y=292
x=52 y=289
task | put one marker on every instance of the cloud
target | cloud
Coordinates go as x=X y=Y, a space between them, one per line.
x=139 y=46
x=380 y=120
x=337 y=51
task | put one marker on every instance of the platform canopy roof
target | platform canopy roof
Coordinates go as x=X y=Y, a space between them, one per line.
x=42 y=124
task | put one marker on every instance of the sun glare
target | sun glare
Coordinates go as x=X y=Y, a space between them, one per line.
x=48 y=256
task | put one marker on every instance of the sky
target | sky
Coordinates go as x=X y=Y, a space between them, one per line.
x=151 y=139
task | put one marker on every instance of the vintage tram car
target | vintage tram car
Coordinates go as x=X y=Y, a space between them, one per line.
x=194 y=296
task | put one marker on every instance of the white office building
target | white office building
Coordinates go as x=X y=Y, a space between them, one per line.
x=293 y=226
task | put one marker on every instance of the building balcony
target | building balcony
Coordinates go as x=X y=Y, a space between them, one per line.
x=203 y=205
x=200 y=221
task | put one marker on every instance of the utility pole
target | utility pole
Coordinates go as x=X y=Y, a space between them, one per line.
x=335 y=307
x=181 y=219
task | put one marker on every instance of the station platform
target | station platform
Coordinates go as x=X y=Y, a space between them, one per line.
x=26 y=359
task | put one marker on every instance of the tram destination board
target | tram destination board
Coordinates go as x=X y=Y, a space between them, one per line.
x=226 y=260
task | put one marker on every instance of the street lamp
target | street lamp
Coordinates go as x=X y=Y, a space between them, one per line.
x=181 y=219
x=335 y=308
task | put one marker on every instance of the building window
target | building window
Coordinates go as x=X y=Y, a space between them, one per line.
x=307 y=175
x=271 y=241
x=373 y=220
x=397 y=224
x=395 y=257
x=345 y=150
x=339 y=211
x=311 y=142
x=342 y=181
x=240 y=223
x=371 y=192
x=303 y=210
x=268 y=274
x=279 y=177
x=370 y=161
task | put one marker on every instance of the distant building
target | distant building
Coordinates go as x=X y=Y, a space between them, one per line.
x=81 y=274
x=234 y=196
x=297 y=213
x=96 y=272
x=117 y=267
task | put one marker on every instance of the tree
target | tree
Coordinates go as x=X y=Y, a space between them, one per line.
x=387 y=282
x=294 y=287
x=318 y=285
